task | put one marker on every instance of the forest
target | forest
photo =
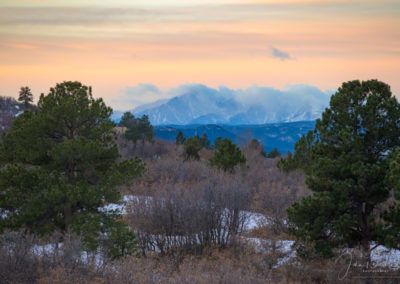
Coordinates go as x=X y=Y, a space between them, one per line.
x=86 y=200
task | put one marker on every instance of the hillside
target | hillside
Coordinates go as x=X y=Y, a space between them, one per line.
x=276 y=135
x=9 y=109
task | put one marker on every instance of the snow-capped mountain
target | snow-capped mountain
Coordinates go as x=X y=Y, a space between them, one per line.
x=199 y=104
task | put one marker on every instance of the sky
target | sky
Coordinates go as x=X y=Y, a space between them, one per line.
x=122 y=47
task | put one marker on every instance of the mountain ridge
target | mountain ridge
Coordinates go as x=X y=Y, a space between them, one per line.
x=199 y=104
x=282 y=136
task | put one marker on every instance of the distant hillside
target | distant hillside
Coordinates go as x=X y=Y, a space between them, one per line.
x=276 y=135
x=9 y=109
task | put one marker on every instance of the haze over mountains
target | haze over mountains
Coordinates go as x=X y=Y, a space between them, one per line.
x=199 y=104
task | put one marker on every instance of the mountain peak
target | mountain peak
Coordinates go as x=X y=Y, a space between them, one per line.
x=200 y=104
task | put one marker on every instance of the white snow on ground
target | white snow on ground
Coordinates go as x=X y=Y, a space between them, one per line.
x=48 y=249
x=121 y=208
x=45 y=249
x=255 y=220
x=380 y=256
x=283 y=247
x=18 y=113
x=384 y=257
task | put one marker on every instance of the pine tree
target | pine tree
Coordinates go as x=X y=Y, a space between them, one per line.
x=58 y=168
x=227 y=156
x=128 y=120
x=25 y=96
x=347 y=166
x=191 y=149
x=217 y=141
x=390 y=229
x=180 y=139
x=274 y=154
x=205 y=143
x=256 y=146
x=138 y=129
x=302 y=155
x=145 y=129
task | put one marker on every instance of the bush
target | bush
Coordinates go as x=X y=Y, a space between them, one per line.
x=227 y=156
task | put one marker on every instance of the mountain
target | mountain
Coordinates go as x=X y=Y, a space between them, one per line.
x=199 y=104
x=276 y=135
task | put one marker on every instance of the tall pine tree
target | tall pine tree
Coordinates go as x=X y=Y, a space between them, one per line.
x=180 y=139
x=346 y=161
x=59 y=167
x=25 y=96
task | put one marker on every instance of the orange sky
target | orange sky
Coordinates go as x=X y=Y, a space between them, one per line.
x=236 y=43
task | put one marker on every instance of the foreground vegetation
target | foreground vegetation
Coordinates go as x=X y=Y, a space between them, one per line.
x=193 y=212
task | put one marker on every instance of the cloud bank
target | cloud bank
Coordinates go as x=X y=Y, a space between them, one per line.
x=138 y=95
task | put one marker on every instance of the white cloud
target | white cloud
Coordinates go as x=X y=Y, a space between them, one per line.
x=138 y=95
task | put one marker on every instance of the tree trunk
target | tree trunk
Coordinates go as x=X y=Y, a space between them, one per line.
x=366 y=260
x=67 y=216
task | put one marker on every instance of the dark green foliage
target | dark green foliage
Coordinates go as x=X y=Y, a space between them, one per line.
x=205 y=143
x=59 y=167
x=346 y=162
x=127 y=120
x=138 y=129
x=274 y=154
x=191 y=149
x=302 y=155
x=180 y=139
x=390 y=229
x=227 y=156
x=25 y=96
x=217 y=141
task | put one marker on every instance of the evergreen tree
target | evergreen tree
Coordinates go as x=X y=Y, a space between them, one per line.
x=274 y=154
x=347 y=170
x=390 y=229
x=256 y=146
x=138 y=129
x=227 y=156
x=180 y=139
x=191 y=149
x=302 y=155
x=205 y=143
x=145 y=129
x=25 y=96
x=217 y=141
x=128 y=120
x=58 y=168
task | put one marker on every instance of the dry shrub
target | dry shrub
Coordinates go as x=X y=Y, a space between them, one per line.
x=147 y=151
x=63 y=275
x=265 y=188
x=27 y=259
x=213 y=266
x=17 y=262
x=191 y=216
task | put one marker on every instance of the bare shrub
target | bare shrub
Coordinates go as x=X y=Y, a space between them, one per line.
x=27 y=259
x=17 y=262
x=191 y=216
x=146 y=151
